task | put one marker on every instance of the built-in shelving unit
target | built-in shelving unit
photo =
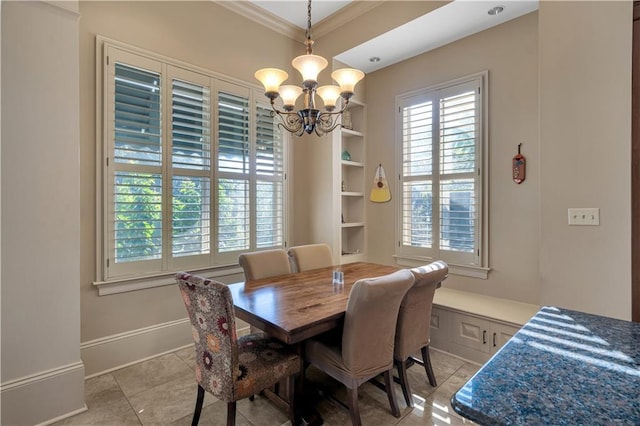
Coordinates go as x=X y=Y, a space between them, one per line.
x=352 y=236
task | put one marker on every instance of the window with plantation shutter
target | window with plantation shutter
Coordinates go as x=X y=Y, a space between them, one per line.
x=441 y=179
x=193 y=170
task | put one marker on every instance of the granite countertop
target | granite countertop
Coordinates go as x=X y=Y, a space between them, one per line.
x=562 y=368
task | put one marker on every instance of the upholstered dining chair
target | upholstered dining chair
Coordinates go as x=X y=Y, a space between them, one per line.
x=264 y=264
x=229 y=367
x=364 y=349
x=414 y=323
x=310 y=256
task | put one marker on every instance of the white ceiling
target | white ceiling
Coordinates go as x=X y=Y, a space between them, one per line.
x=455 y=20
x=295 y=11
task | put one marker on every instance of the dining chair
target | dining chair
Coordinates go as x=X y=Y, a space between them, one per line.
x=414 y=323
x=364 y=349
x=310 y=256
x=264 y=264
x=229 y=367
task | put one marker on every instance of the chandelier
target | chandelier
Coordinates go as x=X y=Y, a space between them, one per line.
x=309 y=119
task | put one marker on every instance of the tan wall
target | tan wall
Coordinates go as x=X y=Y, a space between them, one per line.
x=519 y=227
x=585 y=144
x=509 y=52
x=40 y=213
x=200 y=33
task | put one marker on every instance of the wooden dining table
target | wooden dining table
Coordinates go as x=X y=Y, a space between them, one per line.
x=295 y=307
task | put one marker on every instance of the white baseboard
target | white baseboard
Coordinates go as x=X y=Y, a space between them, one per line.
x=112 y=352
x=35 y=399
x=470 y=361
x=120 y=350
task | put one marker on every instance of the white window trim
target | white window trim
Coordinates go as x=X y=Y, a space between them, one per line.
x=475 y=271
x=132 y=283
x=124 y=285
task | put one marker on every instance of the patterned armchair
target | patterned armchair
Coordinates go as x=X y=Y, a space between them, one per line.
x=229 y=367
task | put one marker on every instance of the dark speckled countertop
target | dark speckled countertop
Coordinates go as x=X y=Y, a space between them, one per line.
x=562 y=368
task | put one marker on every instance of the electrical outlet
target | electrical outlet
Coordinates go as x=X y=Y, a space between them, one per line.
x=585 y=217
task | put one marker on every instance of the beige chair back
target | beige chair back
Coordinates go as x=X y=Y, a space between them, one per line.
x=310 y=256
x=414 y=318
x=264 y=264
x=370 y=322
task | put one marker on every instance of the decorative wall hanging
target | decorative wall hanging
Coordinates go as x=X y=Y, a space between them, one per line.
x=519 y=167
x=380 y=192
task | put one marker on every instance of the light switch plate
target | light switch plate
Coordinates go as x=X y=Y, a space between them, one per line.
x=585 y=216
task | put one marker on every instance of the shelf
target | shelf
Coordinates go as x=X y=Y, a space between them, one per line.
x=348 y=132
x=352 y=224
x=345 y=254
x=351 y=173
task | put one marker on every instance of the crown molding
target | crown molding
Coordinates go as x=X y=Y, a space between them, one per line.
x=263 y=17
x=344 y=16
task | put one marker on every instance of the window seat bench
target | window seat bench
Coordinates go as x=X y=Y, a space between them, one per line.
x=474 y=326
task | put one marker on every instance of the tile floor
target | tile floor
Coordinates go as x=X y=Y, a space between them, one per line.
x=162 y=391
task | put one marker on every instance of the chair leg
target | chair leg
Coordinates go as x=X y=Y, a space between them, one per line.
x=354 y=409
x=427 y=366
x=404 y=381
x=391 y=394
x=231 y=413
x=198 y=410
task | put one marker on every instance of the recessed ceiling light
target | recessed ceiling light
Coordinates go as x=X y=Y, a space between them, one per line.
x=374 y=59
x=495 y=10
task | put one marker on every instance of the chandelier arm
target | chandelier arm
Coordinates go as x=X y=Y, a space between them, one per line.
x=326 y=123
x=289 y=120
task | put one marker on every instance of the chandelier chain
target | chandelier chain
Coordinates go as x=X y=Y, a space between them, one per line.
x=309 y=21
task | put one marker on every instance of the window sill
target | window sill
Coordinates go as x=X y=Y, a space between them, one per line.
x=123 y=285
x=463 y=270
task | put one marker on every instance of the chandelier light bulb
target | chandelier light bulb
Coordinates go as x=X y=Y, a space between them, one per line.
x=289 y=94
x=329 y=95
x=347 y=78
x=309 y=67
x=271 y=79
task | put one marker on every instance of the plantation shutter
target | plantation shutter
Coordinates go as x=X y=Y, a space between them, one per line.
x=270 y=180
x=135 y=141
x=440 y=180
x=193 y=170
x=191 y=167
x=233 y=172
x=458 y=134
x=417 y=166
